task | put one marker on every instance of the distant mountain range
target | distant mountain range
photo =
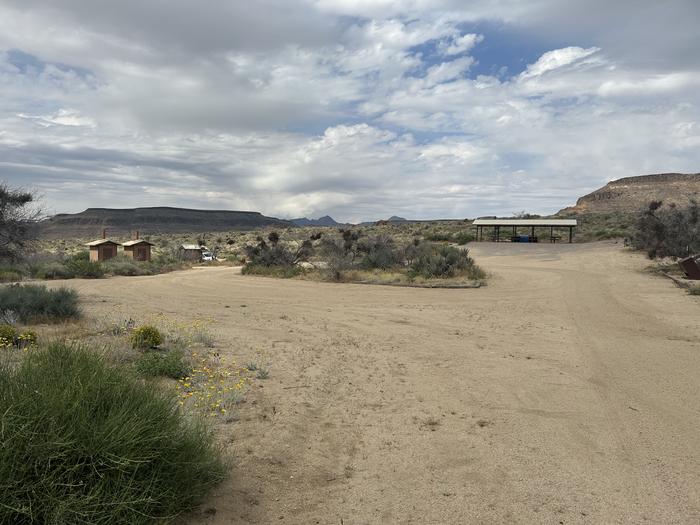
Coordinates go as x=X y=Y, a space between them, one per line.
x=120 y=222
x=322 y=222
x=329 y=222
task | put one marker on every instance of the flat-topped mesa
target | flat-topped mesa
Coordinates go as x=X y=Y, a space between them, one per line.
x=632 y=194
x=154 y=220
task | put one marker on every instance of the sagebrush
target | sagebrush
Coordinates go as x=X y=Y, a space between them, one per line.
x=36 y=303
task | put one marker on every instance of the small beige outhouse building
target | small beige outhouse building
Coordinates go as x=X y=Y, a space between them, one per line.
x=102 y=249
x=138 y=249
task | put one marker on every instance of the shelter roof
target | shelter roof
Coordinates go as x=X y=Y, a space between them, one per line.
x=525 y=222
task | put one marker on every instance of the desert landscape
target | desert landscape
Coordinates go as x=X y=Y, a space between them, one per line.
x=563 y=392
x=332 y=262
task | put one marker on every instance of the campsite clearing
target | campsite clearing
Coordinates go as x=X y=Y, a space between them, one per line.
x=565 y=391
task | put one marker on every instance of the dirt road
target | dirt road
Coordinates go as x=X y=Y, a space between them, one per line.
x=566 y=391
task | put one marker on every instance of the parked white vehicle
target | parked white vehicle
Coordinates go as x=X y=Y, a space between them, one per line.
x=208 y=256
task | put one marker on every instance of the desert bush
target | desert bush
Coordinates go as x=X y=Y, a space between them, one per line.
x=694 y=290
x=463 y=237
x=53 y=270
x=272 y=253
x=145 y=337
x=8 y=317
x=460 y=237
x=378 y=252
x=83 y=442
x=163 y=364
x=8 y=335
x=80 y=265
x=668 y=231
x=608 y=233
x=36 y=303
x=340 y=254
x=338 y=258
x=10 y=275
x=437 y=261
x=123 y=265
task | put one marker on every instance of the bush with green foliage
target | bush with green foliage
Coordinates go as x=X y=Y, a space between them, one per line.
x=80 y=265
x=459 y=237
x=432 y=261
x=36 y=303
x=145 y=337
x=663 y=231
x=53 y=270
x=163 y=364
x=10 y=275
x=8 y=335
x=123 y=265
x=83 y=442
x=378 y=252
x=463 y=237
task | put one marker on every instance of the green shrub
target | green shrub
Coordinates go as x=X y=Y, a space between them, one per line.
x=8 y=334
x=145 y=337
x=379 y=252
x=10 y=276
x=53 y=270
x=438 y=236
x=123 y=265
x=439 y=261
x=85 y=269
x=82 y=442
x=463 y=237
x=163 y=364
x=460 y=237
x=36 y=303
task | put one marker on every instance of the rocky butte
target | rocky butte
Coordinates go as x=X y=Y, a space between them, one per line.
x=631 y=194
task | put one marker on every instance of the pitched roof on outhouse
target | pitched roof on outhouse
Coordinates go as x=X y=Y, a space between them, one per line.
x=100 y=241
x=135 y=242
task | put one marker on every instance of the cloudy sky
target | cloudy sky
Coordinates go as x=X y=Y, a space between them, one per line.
x=361 y=109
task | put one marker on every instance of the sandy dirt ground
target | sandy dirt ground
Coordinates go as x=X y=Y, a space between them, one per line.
x=566 y=391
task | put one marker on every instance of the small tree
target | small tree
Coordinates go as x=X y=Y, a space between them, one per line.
x=670 y=230
x=17 y=222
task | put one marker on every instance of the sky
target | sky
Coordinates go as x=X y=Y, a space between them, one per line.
x=360 y=109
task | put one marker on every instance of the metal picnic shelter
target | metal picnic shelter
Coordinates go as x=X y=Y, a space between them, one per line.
x=516 y=224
